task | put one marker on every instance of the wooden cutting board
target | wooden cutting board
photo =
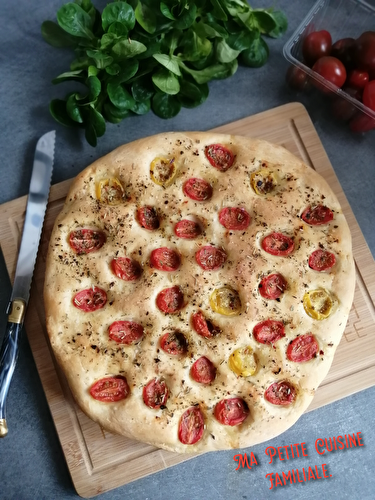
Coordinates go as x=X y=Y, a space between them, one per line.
x=99 y=461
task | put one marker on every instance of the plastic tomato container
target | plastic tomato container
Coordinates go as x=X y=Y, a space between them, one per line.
x=343 y=19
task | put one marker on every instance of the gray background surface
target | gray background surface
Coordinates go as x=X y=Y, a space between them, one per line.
x=32 y=465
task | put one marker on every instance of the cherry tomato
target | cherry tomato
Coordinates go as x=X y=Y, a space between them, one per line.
x=231 y=411
x=203 y=371
x=332 y=69
x=263 y=181
x=368 y=97
x=317 y=216
x=344 y=50
x=226 y=301
x=296 y=78
x=302 y=348
x=210 y=258
x=110 y=389
x=148 y=218
x=342 y=108
x=278 y=244
x=187 y=229
x=272 y=286
x=191 y=426
x=316 y=45
x=126 y=269
x=365 y=53
x=125 y=332
x=163 y=171
x=86 y=240
x=197 y=189
x=170 y=300
x=174 y=343
x=357 y=79
x=219 y=156
x=318 y=304
x=234 y=218
x=362 y=123
x=203 y=326
x=280 y=393
x=155 y=394
x=243 y=362
x=90 y=299
x=321 y=260
x=165 y=259
x=269 y=331
x=110 y=191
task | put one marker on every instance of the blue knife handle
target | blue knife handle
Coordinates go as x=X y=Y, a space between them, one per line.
x=8 y=357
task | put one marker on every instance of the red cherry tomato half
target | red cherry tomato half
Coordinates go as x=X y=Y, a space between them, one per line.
x=110 y=389
x=86 y=240
x=321 y=260
x=316 y=45
x=219 y=156
x=126 y=269
x=210 y=258
x=191 y=426
x=280 y=393
x=344 y=50
x=269 y=331
x=318 y=215
x=170 y=300
x=357 y=79
x=272 y=286
x=368 y=96
x=332 y=69
x=187 y=229
x=278 y=244
x=231 y=411
x=155 y=394
x=148 y=218
x=203 y=371
x=365 y=53
x=203 y=326
x=90 y=299
x=302 y=348
x=174 y=343
x=125 y=332
x=197 y=189
x=296 y=78
x=234 y=218
x=362 y=123
x=165 y=259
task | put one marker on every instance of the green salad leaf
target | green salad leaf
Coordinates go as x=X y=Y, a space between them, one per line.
x=142 y=55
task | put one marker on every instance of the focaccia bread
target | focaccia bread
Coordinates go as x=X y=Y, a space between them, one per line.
x=197 y=287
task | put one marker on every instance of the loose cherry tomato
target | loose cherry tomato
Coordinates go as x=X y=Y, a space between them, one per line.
x=165 y=259
x=272 y=286
x=210 y=258
x=203 y=326
x=365 y=52
x=280 y=393
x=155 y=394
x=332 y=69
x=90 y=299
x=316 y=45
x=219 y=156
x=203 y=371
x=174 y=343
x=317 y=216
x=368 y=97
x=234 y=218
x=269 y=331
x=231 y=411
x=356 y=79
x=296 y=78
x=170 y=300
x=126 y=269
x=191 y=426
x=321 y=260
x=362 y=123
x=197 y=189
x=302 y=348
x=344 y=50
x=187 y=229
x=278 y=244
x=110 y=389
x=148 y=218
x=125 y=332
x=86 y=240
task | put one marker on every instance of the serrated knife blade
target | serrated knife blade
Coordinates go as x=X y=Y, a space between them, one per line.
x=35 y=211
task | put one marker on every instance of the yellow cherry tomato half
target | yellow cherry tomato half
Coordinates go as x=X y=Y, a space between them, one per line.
x=318 y=304
x=110 y=191
x=263 y=181
x=225 y=301
x=243 y=362
x=163 y=171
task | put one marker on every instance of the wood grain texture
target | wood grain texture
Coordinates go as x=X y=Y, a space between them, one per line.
x=99 y=461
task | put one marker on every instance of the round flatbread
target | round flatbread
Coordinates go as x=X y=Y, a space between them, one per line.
x=197 y=286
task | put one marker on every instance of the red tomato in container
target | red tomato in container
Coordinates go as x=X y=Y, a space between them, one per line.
x=344 y=50
x=365 y=52
x=332 y=70
x=316 y=45
x=368 y=97
x=357 y=79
